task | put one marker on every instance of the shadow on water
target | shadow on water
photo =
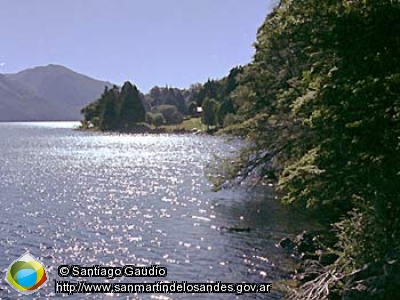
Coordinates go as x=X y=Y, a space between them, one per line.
x=254 y=223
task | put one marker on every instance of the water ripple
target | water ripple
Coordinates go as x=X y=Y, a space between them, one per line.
x=73 y=197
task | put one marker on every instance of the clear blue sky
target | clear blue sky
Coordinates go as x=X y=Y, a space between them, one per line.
x=149 y=42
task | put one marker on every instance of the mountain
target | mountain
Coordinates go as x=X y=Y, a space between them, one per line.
x=48 y=93
x=18 y=102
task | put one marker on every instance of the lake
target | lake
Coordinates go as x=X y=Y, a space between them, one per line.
x=87 y=198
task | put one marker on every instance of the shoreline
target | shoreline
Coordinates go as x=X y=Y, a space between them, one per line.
x=145 y=129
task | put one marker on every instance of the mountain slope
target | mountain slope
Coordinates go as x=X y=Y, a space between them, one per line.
x=46 y=93
x=20 y=103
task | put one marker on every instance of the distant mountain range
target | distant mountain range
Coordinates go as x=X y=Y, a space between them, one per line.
x=49 y=93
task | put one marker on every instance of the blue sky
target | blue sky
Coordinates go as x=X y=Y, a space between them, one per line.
x=149 y=42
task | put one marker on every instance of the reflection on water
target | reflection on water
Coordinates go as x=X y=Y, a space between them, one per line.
x=72 y=197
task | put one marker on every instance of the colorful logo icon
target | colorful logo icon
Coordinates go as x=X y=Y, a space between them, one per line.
x=26 y=274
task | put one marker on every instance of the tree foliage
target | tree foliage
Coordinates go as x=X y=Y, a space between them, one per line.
x=132 y=109
x=115 y=109
x=209 y=116
x=109 y=111
x=168 y=96
x=321 y=107
x=156 y=119
x=170 y=113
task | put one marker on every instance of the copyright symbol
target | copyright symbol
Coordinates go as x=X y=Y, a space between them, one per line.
x=63 y=270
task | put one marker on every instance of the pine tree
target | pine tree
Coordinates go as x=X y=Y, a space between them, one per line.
x=208 y=116
x=109 y=113
x=132 y=109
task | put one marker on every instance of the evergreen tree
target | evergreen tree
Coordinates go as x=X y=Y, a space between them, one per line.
x=208 y=116
x=93 y=111
x=226 y=107
x=109 y=114
x=132 y=109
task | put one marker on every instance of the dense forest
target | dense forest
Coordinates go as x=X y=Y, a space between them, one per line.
x=320 y=105
x=125 y=108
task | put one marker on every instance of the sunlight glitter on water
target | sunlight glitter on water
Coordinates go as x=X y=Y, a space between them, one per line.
x=73 y=197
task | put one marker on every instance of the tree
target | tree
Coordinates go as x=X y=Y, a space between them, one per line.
x=231 y=81
x=226 y=107
x=155 y=95
x=180 y=102
x=170 y=114
x=93 y=111
x=229 y=120
x=208 y=116
x=323 y=111
x=158 y=120
x=109 y=114
x=132 y=109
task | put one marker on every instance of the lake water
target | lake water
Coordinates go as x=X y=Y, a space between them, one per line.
x=73 y=197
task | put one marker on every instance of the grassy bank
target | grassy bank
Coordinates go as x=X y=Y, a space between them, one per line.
x=189 y=125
